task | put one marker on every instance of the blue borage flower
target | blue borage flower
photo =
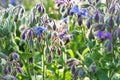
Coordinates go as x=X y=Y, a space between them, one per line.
x=108 y=35
x=100 y=34
x=39 y=29
x=12 y=2
x=103 y=35
x=65 y=20
x=61 y=35
x=74 y=10
x=84 y=12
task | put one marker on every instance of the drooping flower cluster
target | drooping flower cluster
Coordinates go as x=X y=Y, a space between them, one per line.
x=39 y=29
x=103 y=35
x=11 y=66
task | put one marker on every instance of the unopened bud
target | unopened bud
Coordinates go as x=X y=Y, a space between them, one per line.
x=23 y=34
x=112 y=9
x=58 y=51
x=89 y=34
x=75 y=75
x=18 y=69
x=49 y=59
x=68 y=40
x=89 y=23
x=9 y=68
x=15 y=56
x=73 y=69
x=118 y=19
x=97 y=27
x=40 y=8
x=92 y=68
x=16 y=18
x=96 y=17
x=49 y=36
x=108 y=46
x=79 y=20
x=118 y=33
x=54 y=27
x=68 y=10
x=30 y=35
x=39 y=38
x=111 y=22
x=71 y=60
x=22 y=28
x=97 y=1
x=5 y=71
x=80 y=73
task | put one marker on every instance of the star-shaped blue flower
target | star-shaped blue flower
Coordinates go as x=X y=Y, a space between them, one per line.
x=12 y=2
x=74 y=10
x=100 y=34
x=39 y=29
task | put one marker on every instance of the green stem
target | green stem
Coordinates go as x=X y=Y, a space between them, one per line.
x=27 y=68
x=43 y=67
x=64 y=58
x=43 y=62
x=64 y=73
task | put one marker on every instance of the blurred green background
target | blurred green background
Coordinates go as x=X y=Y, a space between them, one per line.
x=29 y=4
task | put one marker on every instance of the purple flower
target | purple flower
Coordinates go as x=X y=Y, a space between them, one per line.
x=100 y=34
x=15 y=56
x=74 y=10
x=5 y=71
x=61 y=35
x=103 y=35
x=96 y=17
x=108 y=35
x=12 y=2
x=39 y=29
x=84 y=12
x=65 y=20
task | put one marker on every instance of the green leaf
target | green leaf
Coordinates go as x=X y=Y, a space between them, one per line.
x=2 y=55
x=85 y=5
x=88 y=61
x=96 y=55
x=98 y=5
x=71 y=53
x=85 y=51
x=68 y=75
x=80 y=56
x=26 y=55
x=101 y=74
